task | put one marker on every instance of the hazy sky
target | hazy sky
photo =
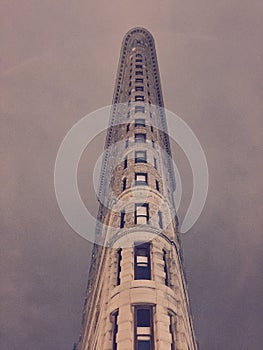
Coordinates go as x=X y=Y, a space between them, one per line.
x=59 y=61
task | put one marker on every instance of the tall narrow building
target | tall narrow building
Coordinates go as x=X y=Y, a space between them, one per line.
x=137 y=295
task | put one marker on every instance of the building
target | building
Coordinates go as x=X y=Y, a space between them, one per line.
x=137 y=295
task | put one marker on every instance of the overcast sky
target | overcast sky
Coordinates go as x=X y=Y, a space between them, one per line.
x=59 y=62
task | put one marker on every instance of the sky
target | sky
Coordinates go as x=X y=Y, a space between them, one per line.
x=59 y=63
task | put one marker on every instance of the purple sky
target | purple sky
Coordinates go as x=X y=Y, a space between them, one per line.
x=59 y=61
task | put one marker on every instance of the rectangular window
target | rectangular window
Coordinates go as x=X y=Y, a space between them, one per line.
x=155 y=163
x=153 y=144
x=138 y=55
x=157 y=185
x=165 y=268
x=122 y=220
x=141 y=179
x=138 y=60
x=143 y=328
x=127 y=127
x=160 y=217
x=126 y=143
x=140 y=157
x=119 y=257
x=138 y=66
x=139 y=98
x=125 y=162
x=138 y=72
x=141 y=215
x=140 y=138
x=139 y=88
x=124 y=183
x=142 y=263
x=151 y=128
x=114 y=319
x=139 y=109
x=139 y=122
x=172 y=330
x=138 y=80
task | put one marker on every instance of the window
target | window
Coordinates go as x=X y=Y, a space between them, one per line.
x=143 y=328
x=138 y=60
x=142 y=264
x=157 y=185
x=141 y=215
x=165 y=268
x=153 y=144
x=151 y=128
x=127 y=127
x=139 y=122
x=114 y=320
x=122 y=221
x=141 y=179
x=138 y=66
x=138 y=80
x=128 y=114
x=139 y=88
x=160 y=217
x=138 y=55
x=124 y=183
x=140 y=157
x=139 y=109
x=126 y=143
x=119 y=257
x=155 y=163
x=138 y=72
x=172 y=329
x=140 y=138
x=125 y=162
x=139 y=98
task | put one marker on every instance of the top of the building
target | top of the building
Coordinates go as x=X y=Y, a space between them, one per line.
x=138 y=32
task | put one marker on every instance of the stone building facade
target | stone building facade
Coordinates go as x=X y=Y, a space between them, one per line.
x=137 y=295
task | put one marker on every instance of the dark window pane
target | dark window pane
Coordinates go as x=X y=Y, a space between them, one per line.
x=142 y=273
x=143 y=318
x=144 y=345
